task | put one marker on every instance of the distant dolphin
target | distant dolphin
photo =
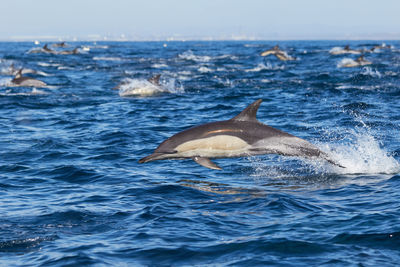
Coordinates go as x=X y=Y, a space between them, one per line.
x=72 y=52
x=62 y=44
x=139 y=87
x=272 y=51
x=20 y=80
x=44 y=49
x=345 y=50
x=379 y=47
x=154 y=80
x=360 y=61
x=240 y=136
x=276 y=51
x=12 y=70
x=48 y=50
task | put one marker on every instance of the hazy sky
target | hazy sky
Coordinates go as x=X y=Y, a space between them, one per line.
x=149 y=19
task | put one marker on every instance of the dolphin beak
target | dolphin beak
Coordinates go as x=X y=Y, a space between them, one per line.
x=151 y=157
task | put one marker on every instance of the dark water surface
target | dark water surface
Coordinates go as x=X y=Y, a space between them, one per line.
x=72 y=190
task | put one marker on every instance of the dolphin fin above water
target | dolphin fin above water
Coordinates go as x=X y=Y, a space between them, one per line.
x=155 y=79
x=240 y=136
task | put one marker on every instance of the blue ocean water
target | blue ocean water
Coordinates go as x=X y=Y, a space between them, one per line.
x=73 y=193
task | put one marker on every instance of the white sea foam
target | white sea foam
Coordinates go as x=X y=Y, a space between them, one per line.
x=335 y=49
x=159 y=66
x=108 y=58
x=361 y=152
x=204 y=69
x=358 y=151
x=5 y=81
x=46 y=64
x=189 y=55
x=34 y=92
x=95 y=46
x=359 y=87
x=262 y=66
x=346 y=62
x=373 y=73
x=64 y=68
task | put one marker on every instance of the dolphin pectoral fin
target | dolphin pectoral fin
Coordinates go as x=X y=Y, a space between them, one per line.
x=206 y=162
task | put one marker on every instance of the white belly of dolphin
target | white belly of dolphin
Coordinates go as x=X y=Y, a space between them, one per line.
x=213 y=147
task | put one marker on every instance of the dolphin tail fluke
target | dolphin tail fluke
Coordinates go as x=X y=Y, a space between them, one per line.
x=206 y=162
x=334 y=163
x=331 y=161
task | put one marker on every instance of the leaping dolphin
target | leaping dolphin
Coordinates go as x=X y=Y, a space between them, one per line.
x=71 y=52
x=62 y=44
x=46 y=49
x=360 y=61
x=240 y=136
x=276 y=51
x=345 y=50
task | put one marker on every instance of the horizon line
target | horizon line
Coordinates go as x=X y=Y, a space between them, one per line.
x=178 y=37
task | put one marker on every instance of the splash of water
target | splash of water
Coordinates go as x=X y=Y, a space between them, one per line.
x=361 y=152
x=373 y=73
x=141 y=87
x=189 y=55
x=358 y=151
x=346 y=62
x=267 y=66
x=5 y=81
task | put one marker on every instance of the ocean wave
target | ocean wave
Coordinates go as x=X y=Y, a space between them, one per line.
x=204 y=69
x=24 y=245
x=268 y=66
x=33 y=92
x=108 y=58
x=375 y=240
x=189 y=55
x=371 y=72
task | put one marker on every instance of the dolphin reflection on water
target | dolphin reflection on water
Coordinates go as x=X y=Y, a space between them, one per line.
x=240 y=136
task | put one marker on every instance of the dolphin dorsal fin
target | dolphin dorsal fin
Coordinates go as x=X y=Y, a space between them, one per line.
x=19 y=74
x=360 y=58
x=155 y=79
x=249 y=113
